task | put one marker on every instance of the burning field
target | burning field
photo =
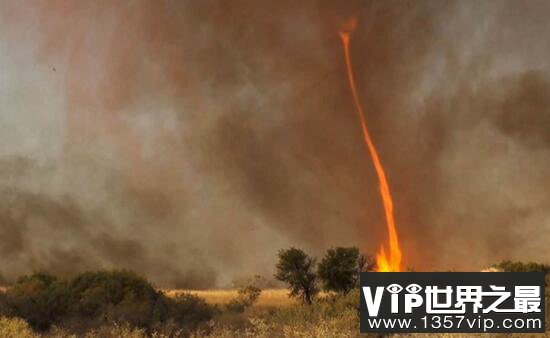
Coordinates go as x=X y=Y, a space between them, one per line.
x=191 y=141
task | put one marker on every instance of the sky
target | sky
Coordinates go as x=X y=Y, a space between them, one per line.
x=191 y=140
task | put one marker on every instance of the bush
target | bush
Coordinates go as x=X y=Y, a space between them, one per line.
x=189 y=311
x=339 y=270
x=40 y=299
x=101 y=299
x=509 y=266
x=116 y=296
x=247 y=296
x=295 y=268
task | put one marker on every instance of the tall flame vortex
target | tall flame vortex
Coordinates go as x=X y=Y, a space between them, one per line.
x=384 y=263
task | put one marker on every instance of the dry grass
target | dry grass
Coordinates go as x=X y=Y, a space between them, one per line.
x=268 y=297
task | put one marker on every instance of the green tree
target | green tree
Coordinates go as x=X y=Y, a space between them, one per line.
x=340 y=268
x=296 y=269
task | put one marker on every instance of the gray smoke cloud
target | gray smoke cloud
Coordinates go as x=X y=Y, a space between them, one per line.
x=190 y=141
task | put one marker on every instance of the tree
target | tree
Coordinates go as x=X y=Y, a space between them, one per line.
x=296 y=269
x=340 y=268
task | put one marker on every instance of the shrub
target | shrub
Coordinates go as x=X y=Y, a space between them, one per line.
x=99 y=300
x=250 y=293
x=189 y=311
x=339 y=270
x=40 y=299
x=295 y=268
x=509 y=266
x=247 y=296
x=116 y=296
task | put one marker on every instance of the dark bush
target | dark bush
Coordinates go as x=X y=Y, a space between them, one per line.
x=116 y=296
x=95 y=299
x=509 y=266
x=188 y=311
x=40 y=299
x=5 y=309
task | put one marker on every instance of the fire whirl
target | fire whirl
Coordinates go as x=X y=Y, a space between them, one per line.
x=384 y=262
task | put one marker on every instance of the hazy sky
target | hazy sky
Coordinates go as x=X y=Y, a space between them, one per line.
x=191 y=140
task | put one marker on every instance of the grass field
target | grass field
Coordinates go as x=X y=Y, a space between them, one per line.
x=273 y=315
x=268 y=297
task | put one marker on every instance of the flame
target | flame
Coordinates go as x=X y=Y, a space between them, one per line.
x=385 y=263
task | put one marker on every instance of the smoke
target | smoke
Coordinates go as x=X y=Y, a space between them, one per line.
x=190 y=141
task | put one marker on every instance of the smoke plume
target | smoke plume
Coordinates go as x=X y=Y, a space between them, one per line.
x=190 y=140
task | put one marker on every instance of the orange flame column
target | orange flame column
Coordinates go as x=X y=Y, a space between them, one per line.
x=384 y=262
